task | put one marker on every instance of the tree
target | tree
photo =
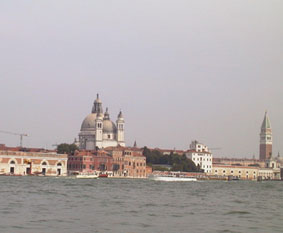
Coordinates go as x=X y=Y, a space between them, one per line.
x=66 y=148
x=178 y=162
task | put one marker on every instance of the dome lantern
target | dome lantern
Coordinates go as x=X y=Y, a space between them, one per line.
x=106 y=115
x=97 y=105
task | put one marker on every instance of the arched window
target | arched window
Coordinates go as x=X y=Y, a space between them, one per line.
x=59 y=164
x=12 y=162
x=44 y=164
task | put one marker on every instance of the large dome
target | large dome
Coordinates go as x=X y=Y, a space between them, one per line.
x=89 y=122
x=109 y=127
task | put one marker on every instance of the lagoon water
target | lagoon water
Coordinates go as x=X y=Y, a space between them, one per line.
x=44 y=204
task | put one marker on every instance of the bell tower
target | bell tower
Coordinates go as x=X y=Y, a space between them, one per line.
x=98 y=130
x=265 y=147
x=120 y=129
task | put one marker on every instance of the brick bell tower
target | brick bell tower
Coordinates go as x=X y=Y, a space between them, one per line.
x=265 y=148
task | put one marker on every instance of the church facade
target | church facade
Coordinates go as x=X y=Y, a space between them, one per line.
x=98 y=131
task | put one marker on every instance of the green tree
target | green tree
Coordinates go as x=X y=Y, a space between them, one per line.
x=178 y=162
x=66 y=148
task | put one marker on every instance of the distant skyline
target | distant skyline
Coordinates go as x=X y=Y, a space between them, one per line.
x=179 y=71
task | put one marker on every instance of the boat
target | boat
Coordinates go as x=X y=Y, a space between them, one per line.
x=231 y=178
x=87 y=176
x=173 y=178
x=103 y=176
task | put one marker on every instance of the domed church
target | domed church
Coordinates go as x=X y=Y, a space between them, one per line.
x=98 y=130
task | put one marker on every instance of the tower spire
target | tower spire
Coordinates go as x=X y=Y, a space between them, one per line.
x=266 y=123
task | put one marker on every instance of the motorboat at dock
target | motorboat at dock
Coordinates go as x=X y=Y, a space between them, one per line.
x=172 y=176
x=87 y=176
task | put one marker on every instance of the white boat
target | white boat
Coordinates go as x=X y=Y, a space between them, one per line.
x=173 y=178
x=87 y=176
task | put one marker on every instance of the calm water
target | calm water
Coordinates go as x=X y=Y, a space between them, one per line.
x=41 y=204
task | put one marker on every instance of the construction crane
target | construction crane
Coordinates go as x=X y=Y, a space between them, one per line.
x=18 y=134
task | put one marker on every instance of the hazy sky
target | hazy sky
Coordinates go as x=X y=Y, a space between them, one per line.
x=179 y=70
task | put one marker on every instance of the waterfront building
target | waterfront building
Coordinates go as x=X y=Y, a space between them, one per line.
x=265 y=148
x=128 y=162
x=267 y=170
x=115 y=161
x=200 y=155
x=98 y=131
x=99 y=162
x=31 y=161
x=275 y=163
x=268 y=173
x=241 y=172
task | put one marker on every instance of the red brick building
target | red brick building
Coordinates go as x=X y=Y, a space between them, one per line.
x=128 y=162
x=115 y=161
x=90 y=162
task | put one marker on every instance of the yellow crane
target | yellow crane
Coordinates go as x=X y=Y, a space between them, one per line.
x=18 y=134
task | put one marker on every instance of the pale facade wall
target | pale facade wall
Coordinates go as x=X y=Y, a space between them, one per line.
x=89 y=140
x=120 y=131
x=201 y=156
x=22 y=163
x=107 y=143
x=244 y=173
x=109 y=136
x=266 y=173
x=204 y=160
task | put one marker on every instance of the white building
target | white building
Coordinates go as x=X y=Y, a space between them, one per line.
x=14 y=161
x=200 y=155
x=98 y=130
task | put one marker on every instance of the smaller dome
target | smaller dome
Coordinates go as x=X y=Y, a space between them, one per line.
x=89 y=122
x=109 y=127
